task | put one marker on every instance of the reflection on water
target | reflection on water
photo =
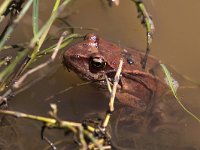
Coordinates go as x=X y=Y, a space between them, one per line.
x=175 y=42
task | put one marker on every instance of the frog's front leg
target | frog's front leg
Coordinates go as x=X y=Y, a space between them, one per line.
x=129 y=100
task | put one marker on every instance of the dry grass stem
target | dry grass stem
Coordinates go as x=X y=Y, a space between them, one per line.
x=112 y=95
x=108 y=84
x=114 y=89
x=39 y=118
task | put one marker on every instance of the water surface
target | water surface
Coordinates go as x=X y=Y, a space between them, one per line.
x=175 y=43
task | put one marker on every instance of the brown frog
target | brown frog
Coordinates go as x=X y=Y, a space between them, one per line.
x=94 y=57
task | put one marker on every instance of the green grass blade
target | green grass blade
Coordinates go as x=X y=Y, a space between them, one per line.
x=15 y=22
x=7 y=72
x=3 y=7
x=172 y=87
x=56 y=5
x=44 y=31
x=169 y=79
x=10 y=69
x=35 y=16
x=65 y=42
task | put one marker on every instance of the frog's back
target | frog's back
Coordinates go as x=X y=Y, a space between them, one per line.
x=132 y=57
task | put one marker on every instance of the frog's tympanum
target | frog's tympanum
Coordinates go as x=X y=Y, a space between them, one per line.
x=95 y=57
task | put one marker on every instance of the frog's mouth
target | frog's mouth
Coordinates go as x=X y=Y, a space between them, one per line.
x=66 y=64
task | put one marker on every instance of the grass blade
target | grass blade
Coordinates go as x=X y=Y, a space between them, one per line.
x=44 y=31
x=3 y=7
x=35 y=16
x=15 y=22
x=172 y=87
x=5 y=74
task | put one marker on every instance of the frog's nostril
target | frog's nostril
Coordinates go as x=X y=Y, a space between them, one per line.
x=77 y=56
x=91 y=36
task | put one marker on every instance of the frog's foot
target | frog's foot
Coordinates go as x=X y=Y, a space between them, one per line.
x=134 y=112
x=128 y=121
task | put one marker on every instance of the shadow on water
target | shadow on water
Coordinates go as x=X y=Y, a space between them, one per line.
x=175 y=42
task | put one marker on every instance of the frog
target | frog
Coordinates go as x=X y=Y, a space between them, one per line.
x=94 y=57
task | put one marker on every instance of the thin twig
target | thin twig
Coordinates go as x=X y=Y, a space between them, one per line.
x=114 y=89
x=39 y=118
x=112 y=96
x=67 y=89
x=108 y=84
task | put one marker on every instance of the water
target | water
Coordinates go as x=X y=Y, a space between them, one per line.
x=175 y=42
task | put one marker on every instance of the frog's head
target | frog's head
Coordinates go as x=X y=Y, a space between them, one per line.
x=92 y=57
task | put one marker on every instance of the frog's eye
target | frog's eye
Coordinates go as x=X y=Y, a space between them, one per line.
x=97 y=63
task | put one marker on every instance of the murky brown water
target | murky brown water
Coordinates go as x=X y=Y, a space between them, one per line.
x=175 y=43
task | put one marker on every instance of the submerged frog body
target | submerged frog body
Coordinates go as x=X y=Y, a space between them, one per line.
x=94 y=57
